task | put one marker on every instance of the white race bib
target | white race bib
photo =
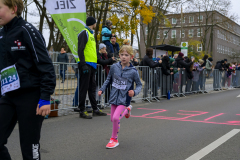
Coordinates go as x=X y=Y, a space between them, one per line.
x=119 y=82
x=9 y=79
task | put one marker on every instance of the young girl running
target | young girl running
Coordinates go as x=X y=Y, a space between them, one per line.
x=122 y=76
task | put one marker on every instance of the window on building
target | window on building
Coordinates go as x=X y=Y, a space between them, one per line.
x=218 y=48
x=146 y=30
x=174 y=21
x=191 y=19
x=183 y=34
x=218 y=34
x=165 y=34
x=221 y=49
x=158 y=35
x=173 y=33
x=183 y=20
x=199 y=47
x=199 y=32
x=200 y=18
x=190 y=34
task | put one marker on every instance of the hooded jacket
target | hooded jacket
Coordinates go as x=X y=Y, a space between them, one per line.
x=121 y=97
x=180 y=63
x=219 y=66
x=165 y=65
x=188 y=70
x=23 y=45
x=106 y=33
x=147 y=62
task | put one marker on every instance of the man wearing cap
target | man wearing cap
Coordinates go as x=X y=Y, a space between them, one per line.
x=87 y=68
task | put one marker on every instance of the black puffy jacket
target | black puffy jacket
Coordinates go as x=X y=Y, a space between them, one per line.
x=22 y=44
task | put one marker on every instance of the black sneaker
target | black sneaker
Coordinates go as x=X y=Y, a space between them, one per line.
x=76 y=109
x=99 y=113
x=85 y=115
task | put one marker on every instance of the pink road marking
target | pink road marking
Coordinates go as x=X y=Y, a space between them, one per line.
x=238 y=114
x=213 y=116
x=191 y=115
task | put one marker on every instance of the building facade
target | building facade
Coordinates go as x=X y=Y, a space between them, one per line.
x=220 y=34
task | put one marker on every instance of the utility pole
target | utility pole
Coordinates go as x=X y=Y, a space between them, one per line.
x=181 y=23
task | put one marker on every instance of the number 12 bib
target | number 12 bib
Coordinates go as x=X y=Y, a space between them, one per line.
x=9 y=79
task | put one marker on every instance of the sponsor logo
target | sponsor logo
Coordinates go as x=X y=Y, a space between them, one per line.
x=35 y=148
x=19 y=46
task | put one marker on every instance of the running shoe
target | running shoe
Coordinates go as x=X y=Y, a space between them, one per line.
x=112 y=143
x=129 y=108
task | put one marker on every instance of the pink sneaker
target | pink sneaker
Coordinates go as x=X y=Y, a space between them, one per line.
x=129 y=108
x=112 y=143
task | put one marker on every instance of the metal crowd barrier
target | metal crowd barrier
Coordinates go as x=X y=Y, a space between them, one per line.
x=155 y=85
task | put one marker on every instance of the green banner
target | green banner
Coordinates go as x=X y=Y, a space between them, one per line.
x=70 y=18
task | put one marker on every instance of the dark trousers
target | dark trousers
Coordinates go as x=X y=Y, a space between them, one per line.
x=21 y=106
x=62 y=74
x=87 y=84
x=75 y=99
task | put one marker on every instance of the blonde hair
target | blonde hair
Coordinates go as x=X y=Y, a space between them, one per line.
x=12 y=3
x=128 y=49
x=126 y=41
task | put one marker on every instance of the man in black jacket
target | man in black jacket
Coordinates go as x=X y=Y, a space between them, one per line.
x=27 y=80
x=87 y=68
x=148 y=61
x=217 y=74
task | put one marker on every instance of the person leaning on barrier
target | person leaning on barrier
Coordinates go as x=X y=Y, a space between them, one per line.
x=209 y=66
x=104 y=59
x=63 y=58
x=87 y=68
x=148 y=62
x=28 y=81
x=189 y=74
x=166 y=66
x=180 y=63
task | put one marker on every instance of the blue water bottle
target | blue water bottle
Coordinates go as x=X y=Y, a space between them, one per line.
x=168 y=95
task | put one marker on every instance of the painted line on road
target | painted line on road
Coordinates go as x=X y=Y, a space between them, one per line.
x=203 y=152
x=238 y=96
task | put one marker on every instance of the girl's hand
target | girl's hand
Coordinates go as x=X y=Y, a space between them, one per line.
x=99 y=93
x=131 y=93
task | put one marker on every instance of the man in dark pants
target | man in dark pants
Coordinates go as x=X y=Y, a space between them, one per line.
x=87 y=68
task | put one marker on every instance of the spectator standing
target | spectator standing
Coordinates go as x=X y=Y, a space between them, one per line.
x=201 y=80
x=107 y=34
x=217 y=74
x=87 y=68
x=134 y=60
x=209 y=67
x=147 y=61
x=189 y=74
x=115 y=47
x=180 y=63
x=63 y=58
x=104 y=59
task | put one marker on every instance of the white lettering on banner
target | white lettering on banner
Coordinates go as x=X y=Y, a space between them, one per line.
x=70 y=40
x=35 y=148
x=65 y=6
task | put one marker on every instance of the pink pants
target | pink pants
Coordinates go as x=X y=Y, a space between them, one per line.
x=117 y=112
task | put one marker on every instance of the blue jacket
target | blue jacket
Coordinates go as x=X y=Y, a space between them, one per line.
x=117 y=96
x=106 y=33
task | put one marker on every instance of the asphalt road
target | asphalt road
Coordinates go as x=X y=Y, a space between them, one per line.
x=166 y=130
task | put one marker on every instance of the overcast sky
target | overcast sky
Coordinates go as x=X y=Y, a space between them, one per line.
x=234 y=9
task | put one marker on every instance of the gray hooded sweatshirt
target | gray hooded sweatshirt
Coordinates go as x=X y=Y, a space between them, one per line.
x=122 y=80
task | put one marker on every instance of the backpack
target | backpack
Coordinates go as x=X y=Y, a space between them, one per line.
x=208 y=67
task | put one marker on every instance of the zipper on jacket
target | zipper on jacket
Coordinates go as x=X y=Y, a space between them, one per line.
x=118 y=89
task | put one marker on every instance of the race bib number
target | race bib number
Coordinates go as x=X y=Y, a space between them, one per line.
x=9 y=79
x=119 y=82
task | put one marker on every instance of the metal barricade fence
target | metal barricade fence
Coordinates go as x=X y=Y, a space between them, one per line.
x=236 y=79
x=145 y=74
x=154 y=84
x=226 y=80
